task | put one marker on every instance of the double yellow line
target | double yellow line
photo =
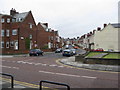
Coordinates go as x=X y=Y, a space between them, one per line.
x=22 y=83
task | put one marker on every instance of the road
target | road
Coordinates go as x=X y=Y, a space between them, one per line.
x=34 y=69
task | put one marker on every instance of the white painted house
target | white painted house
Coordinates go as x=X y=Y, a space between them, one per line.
x=108 y=38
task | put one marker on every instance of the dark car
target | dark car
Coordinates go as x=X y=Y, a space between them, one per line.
x=67 y=52
x=35 y=52
x=59 y=50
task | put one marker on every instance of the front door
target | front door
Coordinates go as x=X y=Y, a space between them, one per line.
x=16 y=45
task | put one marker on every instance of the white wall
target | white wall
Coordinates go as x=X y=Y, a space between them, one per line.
x=107 y=38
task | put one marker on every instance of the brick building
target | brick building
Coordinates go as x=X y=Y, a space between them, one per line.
x=48 y=38
x=19 y=33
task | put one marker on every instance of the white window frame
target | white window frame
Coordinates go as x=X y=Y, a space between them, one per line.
x=7 y=33
x=14 y=32
x=15 y=45
x=31 y=26
x=8 y=20
x=2 y=33
x=2 y=20
x=2 y=44
x=30 y=36
x=7 y=44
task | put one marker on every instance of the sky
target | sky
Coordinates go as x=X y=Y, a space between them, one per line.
x=72 y=18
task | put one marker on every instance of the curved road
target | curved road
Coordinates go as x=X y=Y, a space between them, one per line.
x=34 y=69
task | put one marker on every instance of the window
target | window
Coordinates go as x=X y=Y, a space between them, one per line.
x=2 y=33
x=2 y=20
x=7 y=44
x=2 y=44
x=13 y=20
x=8 y=20
x=30 y=25
x=16 y=45
x=8 y=33
x=11 y=44
x=14 y=32
x=30 y=36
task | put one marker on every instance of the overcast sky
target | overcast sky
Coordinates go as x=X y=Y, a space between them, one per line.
x=72 y=18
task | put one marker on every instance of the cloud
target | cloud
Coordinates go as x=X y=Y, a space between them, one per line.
x=70 y=17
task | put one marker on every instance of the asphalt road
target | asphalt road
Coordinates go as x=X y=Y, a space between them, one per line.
x=34 y=69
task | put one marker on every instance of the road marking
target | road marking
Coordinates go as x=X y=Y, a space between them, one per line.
x=37 y=63
x=23 y=83
x=63 y=74
x=44 y=64
x=9 y=67
x=33 y=63
x=53 y=65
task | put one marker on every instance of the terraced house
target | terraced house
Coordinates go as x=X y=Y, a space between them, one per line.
x=19 y=33
x=107 y=38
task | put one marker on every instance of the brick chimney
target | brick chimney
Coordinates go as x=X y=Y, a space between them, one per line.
x=13 y=12
x=98 y=28
x=94 y=31
x=105 y=25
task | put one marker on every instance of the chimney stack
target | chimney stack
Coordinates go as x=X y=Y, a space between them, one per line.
x=105 y=25
x=98 y=28
x=13 y=12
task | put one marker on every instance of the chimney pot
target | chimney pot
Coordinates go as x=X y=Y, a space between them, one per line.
x=98 y=28
x=105 y=25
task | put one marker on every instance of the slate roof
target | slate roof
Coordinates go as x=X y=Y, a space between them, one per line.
x=21 y=16
x=117 y=25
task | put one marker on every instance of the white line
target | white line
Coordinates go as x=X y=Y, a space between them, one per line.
x=9 y=67
x=44 y=64
x=52 y=65
x=88 y=77
x=47 y=72
x=37 y=63
x=62 y=74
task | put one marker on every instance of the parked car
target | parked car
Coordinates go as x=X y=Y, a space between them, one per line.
x=75 y=47
x=59 y=50
x=35 y=52
x=99 y=49
x=74 y=51
x=67 y=52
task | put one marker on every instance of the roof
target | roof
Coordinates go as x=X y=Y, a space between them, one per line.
x=21 y=16
x=117 y=25
x=4 y=15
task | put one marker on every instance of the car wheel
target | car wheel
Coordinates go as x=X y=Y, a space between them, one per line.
x=42 y=54
x=37 y=54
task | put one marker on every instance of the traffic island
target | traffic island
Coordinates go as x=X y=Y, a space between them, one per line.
x=99 y=61
x=104 y=58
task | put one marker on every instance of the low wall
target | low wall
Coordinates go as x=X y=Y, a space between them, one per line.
x=15 y=52
x=102 y=61
x=81 y=58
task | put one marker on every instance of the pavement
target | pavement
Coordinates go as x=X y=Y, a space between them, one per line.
x=5 y=84
x=71 y=62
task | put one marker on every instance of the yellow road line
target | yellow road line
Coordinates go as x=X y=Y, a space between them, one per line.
x=23 y=83
x=58 y=62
